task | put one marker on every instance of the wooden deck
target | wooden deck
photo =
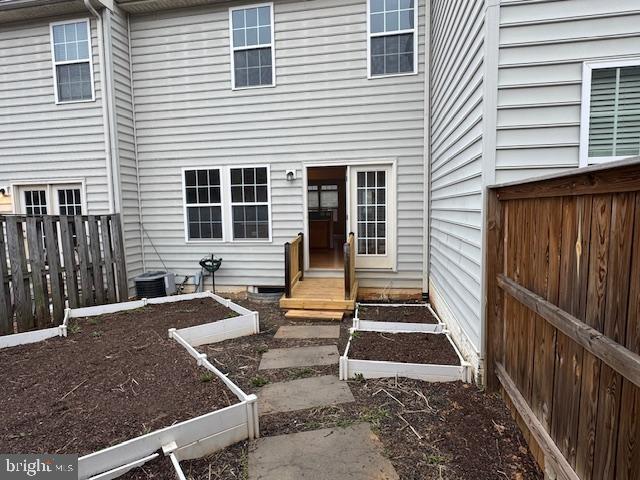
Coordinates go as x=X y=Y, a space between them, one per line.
x=320 y=294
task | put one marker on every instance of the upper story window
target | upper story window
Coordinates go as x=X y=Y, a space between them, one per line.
x=72 y=66
x=610 y=127
x=252 y=52
x=393 y=39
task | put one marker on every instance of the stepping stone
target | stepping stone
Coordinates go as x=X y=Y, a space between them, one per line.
x=299 y=357
x=353 y=453
x=303 y=393
x=308 y=331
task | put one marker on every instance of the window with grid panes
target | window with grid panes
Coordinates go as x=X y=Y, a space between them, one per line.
x=372 y=212
x=72 y=61
x=252 y=46
x=250 y=203
x=203 y=204
x=392 y=31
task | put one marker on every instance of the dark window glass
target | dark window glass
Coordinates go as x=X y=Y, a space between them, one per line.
x=392 y=54
x=204 y=212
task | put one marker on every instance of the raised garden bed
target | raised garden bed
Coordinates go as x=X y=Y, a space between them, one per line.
x=396 y=317
x=121 y=384
x=419 y=355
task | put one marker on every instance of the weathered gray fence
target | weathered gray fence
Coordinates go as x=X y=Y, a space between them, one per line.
x=46 y=261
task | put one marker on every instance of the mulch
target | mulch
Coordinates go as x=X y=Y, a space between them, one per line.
x=404 y=314
x=115 y=377
x=427 y=348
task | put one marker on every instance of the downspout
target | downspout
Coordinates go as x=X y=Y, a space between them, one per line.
x=427 y=151
x=135 y=146
x=114 y=204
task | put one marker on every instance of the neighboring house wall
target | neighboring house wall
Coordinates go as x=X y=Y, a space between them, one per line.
x=456 y=146
x=39 y=140
x=323 y=108
x=124 y=111
x=543 y=45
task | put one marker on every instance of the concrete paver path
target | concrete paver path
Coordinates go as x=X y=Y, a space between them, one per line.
x=299 y=357
x=308 y=331
x=303 y=393
x=352 y=453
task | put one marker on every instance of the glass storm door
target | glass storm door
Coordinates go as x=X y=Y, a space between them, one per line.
x=372 y=215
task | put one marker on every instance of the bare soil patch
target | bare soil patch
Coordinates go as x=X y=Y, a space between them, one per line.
x=404 y=314
x=115 y=377
x=403 y=347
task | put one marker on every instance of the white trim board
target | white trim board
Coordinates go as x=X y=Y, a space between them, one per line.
x=350 y=367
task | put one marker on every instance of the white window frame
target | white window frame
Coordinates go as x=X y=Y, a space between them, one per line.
x=54 y=63
x=271 y=45
x=227 y=206
x=585 y=111
x=186 y=205
x=51 y=187
x=415 y=30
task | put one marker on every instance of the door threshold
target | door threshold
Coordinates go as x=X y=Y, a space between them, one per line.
x=324 y=272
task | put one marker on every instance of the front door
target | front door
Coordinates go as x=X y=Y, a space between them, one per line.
x=372 y=215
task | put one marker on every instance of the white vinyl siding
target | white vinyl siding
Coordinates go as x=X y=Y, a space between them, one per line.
x=543 y=46
x=456 y=143
x=40 y=141
x=324 y=108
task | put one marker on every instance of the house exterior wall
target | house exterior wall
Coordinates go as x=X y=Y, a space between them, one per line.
x=456 y=180
x=39 y=140
x=542 y=47
x=323 y=109
x=126 y=142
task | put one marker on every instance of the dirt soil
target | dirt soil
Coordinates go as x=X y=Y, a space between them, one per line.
x=405 y=314
x=115 y=377
x=403 y=347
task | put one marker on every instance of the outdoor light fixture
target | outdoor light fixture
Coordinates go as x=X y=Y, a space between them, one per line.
x=291 y=175
x=4 y=191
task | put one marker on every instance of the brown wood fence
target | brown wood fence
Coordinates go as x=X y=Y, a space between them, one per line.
x=49 y=261
x=563 y=317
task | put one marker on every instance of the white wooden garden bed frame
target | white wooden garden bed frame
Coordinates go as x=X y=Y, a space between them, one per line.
x=186 y=440
x=350 y=367
x=396 y=327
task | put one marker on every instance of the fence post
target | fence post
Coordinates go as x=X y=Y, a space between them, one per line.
x=301 y=255
x=494 y=261
x=119 y=257
x=287 y=270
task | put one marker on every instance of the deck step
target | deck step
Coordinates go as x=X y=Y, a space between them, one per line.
x=314 y=315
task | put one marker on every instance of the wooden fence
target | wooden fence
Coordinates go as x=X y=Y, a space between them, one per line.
x=563 y=317
x=46 y=261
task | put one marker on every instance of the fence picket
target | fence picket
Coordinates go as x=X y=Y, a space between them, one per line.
x=69 y=258
x=19 y=279
x=38 y=279
x=55 y=269
x=6 y=313
x=118 y=254
x=86 y=279
x=96 y=258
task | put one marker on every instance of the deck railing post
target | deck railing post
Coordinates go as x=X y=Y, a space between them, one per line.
x=348 y=267
x=287 y=270
x=301 y=255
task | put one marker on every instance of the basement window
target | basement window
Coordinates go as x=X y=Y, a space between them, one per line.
x=252 y=52
x=72 y=66
x=393 y=39
x=610 y=126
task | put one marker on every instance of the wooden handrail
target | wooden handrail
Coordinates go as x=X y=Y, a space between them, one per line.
x=293 y=263
x=349 y=265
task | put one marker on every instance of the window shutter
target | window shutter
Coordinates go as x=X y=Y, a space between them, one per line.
x=614 y=127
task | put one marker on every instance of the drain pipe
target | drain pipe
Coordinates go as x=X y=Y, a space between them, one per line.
x=105 y=107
